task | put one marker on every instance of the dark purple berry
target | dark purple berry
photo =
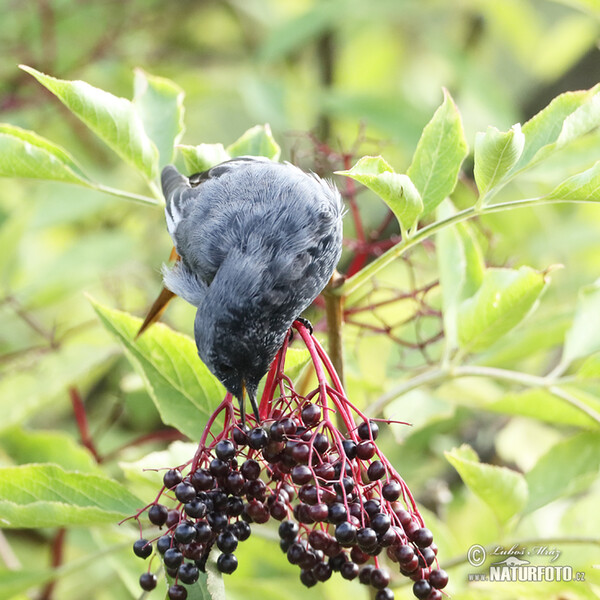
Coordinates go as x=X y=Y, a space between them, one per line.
x=319 y=512
x=188 y=573
x=421 y=589
x=349 y=570
x=405 y=554
x=157 y=515
x=218 y=467
x=227 y=563
x=203 y=532
x=234 y=482
x=235 y=506
x=142 y=548
x=301 y=474
x=376 y=470
x=321 y=443
x=308 y=578
x=325 y=471
x=242 y=531
x=278 y=511
x=422 y=537
x=349 y=448
x=240 y=434
x=380 y=579
x=438 y=578
x=225 y=450
x=163 y=544
x=364 y=575
x=384 y=594
x=295 y=553
x=388 y=538
x=300 y=453
x=185 y=533
x=345 y=534
x=336 y=562
x=368 y=430
x=288 y=530
x=173 y=558
x=311 y=414
x=250 y=469
x=366 y=538
x=195 y=509
x=185 y=492
x=227 y=542
x=337 y=513
x=257 y=511
x=365 y=450
x=426 y=557
x=391 y=490
x=380 y=523
x=322 y=571
x=358 y=556
x=147 y=581
x=217 y=521
x=258 y=438
x=202 y=480
x=177 y=592
x=171 y=478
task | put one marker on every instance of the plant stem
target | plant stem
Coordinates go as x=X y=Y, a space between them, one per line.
x=441 y=375
x=127 y=195
x=363 y=276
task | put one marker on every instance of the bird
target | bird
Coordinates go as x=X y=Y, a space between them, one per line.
x=255 y=242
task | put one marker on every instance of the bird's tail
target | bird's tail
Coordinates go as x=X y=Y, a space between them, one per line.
x=176 y=189
x=173 y=181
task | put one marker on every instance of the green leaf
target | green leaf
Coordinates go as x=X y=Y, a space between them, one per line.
x=504 y=299
x=48 y=496
x=257 y=141
x=541 y=405
x=47 y=447
x=25 y=154
x=209 y=586
x=583 y=187
x=583 y=338
x=159 y=102
x=496 y=152
x=567 y=117
x=503 y=490
x=567 y=468
x=590 y=369
x=112 y=119
x=461 y=267
x=397 y=191
x=439 y=155
x=184 y=390
x=202 y=157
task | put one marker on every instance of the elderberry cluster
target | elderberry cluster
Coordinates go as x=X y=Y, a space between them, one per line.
x=335 y=495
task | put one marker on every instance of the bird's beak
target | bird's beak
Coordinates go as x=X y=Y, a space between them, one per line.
x=160 y=304
x=241 y=400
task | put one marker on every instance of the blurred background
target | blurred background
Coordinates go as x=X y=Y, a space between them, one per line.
x=335 y=79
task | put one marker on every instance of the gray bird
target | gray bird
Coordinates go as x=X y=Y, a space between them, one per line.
x=257 y=241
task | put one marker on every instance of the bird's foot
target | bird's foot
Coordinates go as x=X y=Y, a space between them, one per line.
x=305 y=322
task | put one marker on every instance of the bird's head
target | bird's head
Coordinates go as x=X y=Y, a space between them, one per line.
x=239 y=356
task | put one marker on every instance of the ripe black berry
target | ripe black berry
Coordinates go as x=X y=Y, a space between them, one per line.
x=368 y=430
x=234 y=483
x=308 y=578
x=227 y=563
x=202 y=480
x=380 y=579
x=227 y=542
x=337 y=513
x=349 y=448
x=321 y=443
x=217 y=521
x=421 y=589
x=301 y=474
x=380 y=523
x=384 y=594
x=163 y=544
x=241 y=530
x=172 y=478
x=405 y=554
x=311 y=414
x=185 y=492
x=195 y=509
x=188 y=573
x=235 y=506
x=322 y=571
x=365 y=450
x=288 y=530
x=426 y=557
x=295 y=553
x=391 y=490
x=349 y=570
x=218 y=467
x=438 y=578
x=177 y=592
x=172 y=558
x=364 y=575
x=147 y=581
x=366 y=538
x=185 y=533
x=422 y=537
x=225 y=450
x=375 y=471
x=250 y=469
x=258 y=438
x=142 y=548
x=336 y=562
x=240 y=434
x=345 y=534
x=157 y=515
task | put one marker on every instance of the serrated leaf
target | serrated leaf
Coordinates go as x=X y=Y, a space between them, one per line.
x=496 y=152
x=567 y=468
x=504 y=299
x=159 y=102
x=396 y=190
x=461 y=267
x=583 y=187
x=114 y=120
x=257 y=141
x=541 y=405
x=202 y=157
x=184 y=390
x=46 y=447
x=24 y=153
x=583 y=337
x=48 y=496
x=568 y=116
x=503 y=490
x=439 y=155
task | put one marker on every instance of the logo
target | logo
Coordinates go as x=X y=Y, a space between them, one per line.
x=517 y=568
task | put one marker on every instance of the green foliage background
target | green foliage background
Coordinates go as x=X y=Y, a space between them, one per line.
x=324 y=66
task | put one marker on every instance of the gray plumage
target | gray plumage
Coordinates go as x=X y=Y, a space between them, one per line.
x=258 y=242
